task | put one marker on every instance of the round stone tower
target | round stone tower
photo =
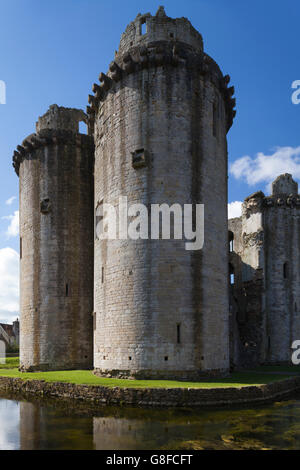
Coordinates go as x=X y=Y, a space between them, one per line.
x=282 y=269
x=160 y=118
x=55 y=167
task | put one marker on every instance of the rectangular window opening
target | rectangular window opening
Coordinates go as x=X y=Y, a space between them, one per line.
x=178 y=333
x=215 y=117
x=21 y=248
x=102 y=275
x=285 y=271
x=67 y=290
x=143 y=28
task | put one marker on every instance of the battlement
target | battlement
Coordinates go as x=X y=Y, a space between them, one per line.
x=48 y=137
x=147 y=28
x=166 y=42
x=284 y=194
x=61 y=118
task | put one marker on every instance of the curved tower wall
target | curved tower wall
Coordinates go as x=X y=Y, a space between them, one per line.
x=165 y=102
x=55 y=167
x=282 y=227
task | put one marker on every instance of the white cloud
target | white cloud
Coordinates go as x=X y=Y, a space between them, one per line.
x=13 y=228
x=9 y=284
x=265 y=168
x=10 y=200
x=234 y=209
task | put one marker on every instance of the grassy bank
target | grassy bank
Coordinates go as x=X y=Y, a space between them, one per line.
x=84 y=377
x=10 y=363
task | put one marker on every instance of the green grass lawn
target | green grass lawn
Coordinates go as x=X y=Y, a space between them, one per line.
x=10 y=363
x=286 y=368
x=84 y=377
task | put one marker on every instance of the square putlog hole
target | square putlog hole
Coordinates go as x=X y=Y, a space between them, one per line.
x=139 y=159
x=45 y=206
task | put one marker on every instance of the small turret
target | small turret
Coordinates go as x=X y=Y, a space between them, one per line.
x=284 y=185
x=146 y=29
x=57 y=117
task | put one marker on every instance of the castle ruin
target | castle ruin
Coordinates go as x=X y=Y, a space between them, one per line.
x=264 y=265
x=157 y=126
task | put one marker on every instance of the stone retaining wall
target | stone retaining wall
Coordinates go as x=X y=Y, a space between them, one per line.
x=154 y=397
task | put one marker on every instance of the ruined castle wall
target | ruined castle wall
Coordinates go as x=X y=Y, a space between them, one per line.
x=56 y=229
x=267 y=288
x=247 y=333
x=282 y=222
x=145 y=289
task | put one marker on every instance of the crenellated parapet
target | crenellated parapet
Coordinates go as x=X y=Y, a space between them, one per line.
x=167 y=43
x=45 y=138
x=57 y=126
x=289 y=201
x=284 y=194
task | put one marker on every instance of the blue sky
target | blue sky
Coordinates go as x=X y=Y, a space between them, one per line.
x=52 y=52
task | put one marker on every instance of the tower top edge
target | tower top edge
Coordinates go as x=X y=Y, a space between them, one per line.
x=284 y=184
x=60 y=118
x=160 y=27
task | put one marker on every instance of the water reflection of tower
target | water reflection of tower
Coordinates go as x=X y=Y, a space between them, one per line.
x=123 y=434
x=30 y=426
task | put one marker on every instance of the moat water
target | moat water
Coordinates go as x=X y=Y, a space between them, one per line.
x=54 y=425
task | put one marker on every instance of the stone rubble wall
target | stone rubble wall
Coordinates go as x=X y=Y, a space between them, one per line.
x=172 y=397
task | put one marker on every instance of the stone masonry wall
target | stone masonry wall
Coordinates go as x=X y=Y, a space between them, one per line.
x=266 y=260
x=152 y=397
x=169 y=104
x=56 y=229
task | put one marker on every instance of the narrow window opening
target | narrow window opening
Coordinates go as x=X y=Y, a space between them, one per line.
x=102 y=275
x=95 y=322
x=166 y=358
x=231 y=274
x=285 y=271
x=99 y=220
x=129 y=358
x=82 y=128
x=178 y=333
x=269 y=343
x=21 y=248
x=143 y=28
x=231 y=239
x=215 y=118
x=67 y=290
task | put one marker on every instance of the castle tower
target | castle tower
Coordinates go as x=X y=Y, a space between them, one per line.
x=160 y=117
x=266 y=263
x=55 y=167
x=282 y=271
